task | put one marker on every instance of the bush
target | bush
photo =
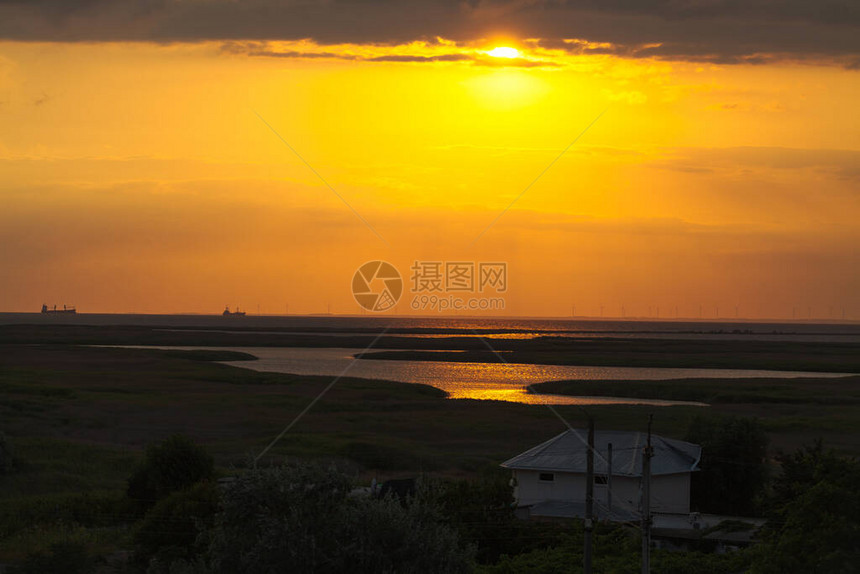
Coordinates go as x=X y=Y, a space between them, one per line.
x=170 y=528
x=482 y=511
x=815 y=525
x=733 y=472
x=7 y=460
x=63 y=558
x=615 y=551
x=302 y=518
x=175 y=464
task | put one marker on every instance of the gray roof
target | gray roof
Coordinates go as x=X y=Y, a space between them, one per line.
x=567 y=453
x=571 y=509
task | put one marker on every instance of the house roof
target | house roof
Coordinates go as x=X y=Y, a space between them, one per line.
x=567 y=452
x=573 y=509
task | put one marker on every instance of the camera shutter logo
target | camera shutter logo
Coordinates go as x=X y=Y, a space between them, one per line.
x=377 y=286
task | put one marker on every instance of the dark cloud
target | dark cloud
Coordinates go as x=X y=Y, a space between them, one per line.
x=411 y=58
x=265 y=50
x=473 y=58
x=729 y=31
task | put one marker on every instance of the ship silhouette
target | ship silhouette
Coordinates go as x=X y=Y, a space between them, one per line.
x=228 y=313
x=67 y=310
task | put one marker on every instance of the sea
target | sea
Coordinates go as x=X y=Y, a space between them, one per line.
x=492 y=327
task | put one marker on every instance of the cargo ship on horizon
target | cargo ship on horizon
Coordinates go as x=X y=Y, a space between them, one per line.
x=237 y=313
x=54 y=311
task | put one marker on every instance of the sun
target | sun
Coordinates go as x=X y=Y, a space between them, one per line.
x=504 y=52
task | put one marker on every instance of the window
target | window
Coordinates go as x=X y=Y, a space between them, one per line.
x=600 y=479
x=546 y=477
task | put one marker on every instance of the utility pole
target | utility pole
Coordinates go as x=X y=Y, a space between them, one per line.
x=647 y=453
x=609 y=479
x=589 y=498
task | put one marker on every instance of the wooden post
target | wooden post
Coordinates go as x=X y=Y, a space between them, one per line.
x=589 y=498
x=609 y=479
x=647 y=453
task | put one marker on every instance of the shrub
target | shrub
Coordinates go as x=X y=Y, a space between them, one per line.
x=174 y=464
x=7 y=460
x=733 y=474
x=815 y=525
x=302 y=518
x=63 y=558
x=170 y=528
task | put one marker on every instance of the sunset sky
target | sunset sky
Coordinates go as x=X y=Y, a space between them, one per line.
x=147 y=163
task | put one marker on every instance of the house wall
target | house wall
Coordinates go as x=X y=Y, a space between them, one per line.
x=669 y=493
x=565 y=486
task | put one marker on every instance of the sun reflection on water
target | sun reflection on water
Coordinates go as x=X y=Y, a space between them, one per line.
x=481 y=381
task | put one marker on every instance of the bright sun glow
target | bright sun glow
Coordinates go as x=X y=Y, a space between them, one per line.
x=504 y=52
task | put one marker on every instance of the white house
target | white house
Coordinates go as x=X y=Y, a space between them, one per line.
x=549 y=479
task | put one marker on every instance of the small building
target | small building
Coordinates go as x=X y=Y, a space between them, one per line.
x=550 y=479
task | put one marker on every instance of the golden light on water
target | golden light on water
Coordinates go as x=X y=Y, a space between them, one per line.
x=504 y=52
